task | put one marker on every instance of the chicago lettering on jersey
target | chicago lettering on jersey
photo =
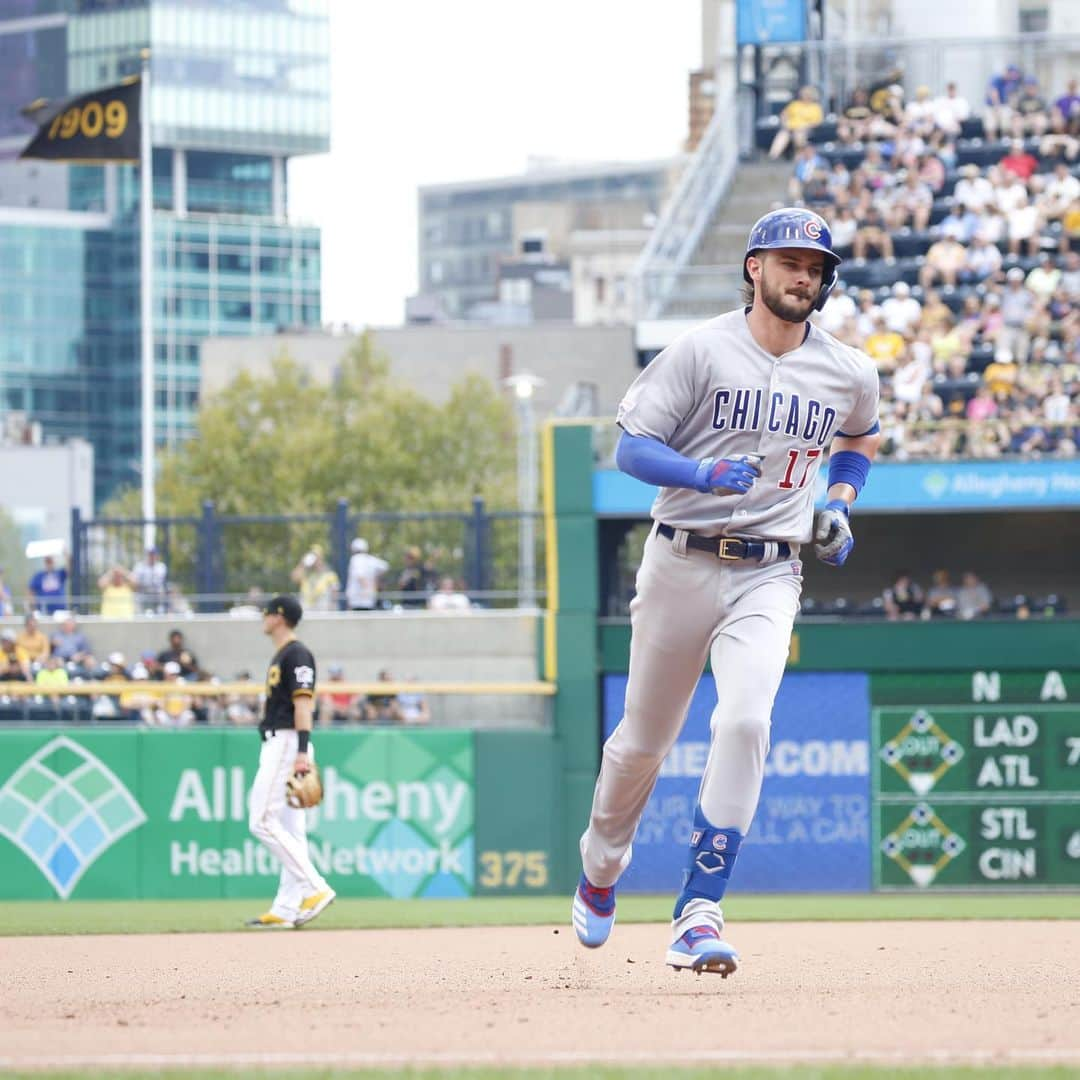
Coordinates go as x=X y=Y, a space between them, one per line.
x=747 y=408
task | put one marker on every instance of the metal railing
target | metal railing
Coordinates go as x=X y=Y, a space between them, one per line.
x=182 y=704
x=216 y=561
x=951 y=439
x=837 y=67
x=671 y=245
x=960 y=439
x=694 y=292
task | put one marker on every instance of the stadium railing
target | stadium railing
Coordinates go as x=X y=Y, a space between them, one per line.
x=521 y=705
x=216 y=560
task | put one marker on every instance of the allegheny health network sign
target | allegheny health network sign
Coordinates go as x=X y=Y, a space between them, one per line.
x=137 y=813
x=900 y=486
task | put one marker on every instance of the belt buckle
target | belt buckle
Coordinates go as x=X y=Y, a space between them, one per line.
x=722 y=548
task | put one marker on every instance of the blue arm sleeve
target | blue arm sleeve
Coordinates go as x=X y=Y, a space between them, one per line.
x=654 y=462
x=849 y=467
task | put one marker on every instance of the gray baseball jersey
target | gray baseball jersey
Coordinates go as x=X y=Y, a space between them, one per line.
x=715 y=392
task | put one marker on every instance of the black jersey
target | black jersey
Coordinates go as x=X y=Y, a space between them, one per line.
x=291 y=675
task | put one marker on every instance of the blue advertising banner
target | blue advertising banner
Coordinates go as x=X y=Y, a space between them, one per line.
x=945 y=487
x=812 y=828
x=763 y=22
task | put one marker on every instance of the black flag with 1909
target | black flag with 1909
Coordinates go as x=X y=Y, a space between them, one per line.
x=96 y=127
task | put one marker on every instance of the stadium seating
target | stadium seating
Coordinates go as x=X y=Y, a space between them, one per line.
x=1042 y=341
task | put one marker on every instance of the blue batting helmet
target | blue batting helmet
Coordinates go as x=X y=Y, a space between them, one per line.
x=794 y=227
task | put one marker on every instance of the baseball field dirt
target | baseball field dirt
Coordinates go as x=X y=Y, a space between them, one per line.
x=936 y=992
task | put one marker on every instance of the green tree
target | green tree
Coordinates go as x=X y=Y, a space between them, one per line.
x=285 y=444
x=14 y=568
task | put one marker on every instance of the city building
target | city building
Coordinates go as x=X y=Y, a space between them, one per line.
x=40 y=486
x=469 y=231
x=585 y=369
x=238 y=87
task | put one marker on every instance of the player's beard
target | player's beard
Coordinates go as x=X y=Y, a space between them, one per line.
x=783 y=306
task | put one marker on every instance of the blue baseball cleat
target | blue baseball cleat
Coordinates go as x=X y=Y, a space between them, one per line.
x=702 y=949
x=593 y=913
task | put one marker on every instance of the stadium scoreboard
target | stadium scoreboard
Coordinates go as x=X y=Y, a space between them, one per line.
x=976 y=780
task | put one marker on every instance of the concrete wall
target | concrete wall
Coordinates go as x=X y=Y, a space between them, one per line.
x=432 y=358
x=475 y=646
x=39 y=485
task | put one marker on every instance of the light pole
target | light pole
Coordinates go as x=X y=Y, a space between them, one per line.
x=524 y=386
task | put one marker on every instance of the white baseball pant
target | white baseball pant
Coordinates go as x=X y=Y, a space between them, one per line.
x=690 y=606
x=282 y=828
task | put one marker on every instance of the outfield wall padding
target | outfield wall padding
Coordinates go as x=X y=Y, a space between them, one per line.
x=115 y=814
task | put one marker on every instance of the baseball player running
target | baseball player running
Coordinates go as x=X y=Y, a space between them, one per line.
x=303 y=893
x=731 y=421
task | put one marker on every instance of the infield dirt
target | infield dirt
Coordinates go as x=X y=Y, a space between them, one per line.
x=923 y=991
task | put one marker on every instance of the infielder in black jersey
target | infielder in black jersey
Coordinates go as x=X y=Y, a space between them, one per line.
x=285 y=729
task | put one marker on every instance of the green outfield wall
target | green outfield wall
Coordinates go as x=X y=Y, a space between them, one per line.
x=915 y=647
x=973 y=744
x=97 y=814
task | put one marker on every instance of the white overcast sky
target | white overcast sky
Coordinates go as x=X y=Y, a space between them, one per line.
x=434 y=91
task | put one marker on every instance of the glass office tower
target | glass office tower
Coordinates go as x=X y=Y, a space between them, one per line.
x=238 y=87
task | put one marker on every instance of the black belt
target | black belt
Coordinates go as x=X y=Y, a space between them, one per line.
x=269 y=732
x=728 y=547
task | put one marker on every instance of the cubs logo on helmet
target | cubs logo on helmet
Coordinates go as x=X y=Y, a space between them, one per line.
x=795 y=227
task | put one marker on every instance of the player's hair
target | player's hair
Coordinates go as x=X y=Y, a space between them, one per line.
x=746 y=293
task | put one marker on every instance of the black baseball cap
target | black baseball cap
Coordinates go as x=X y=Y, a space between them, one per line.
x=286 y=606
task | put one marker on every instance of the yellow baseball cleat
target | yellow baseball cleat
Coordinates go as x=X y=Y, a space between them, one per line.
x=269 y=921
x=314 y=906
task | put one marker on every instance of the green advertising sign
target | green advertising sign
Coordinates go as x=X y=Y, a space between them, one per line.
x=989 y=688
x=1008 y=749
x=968 y=843
x=164 y=814
x=69 y=805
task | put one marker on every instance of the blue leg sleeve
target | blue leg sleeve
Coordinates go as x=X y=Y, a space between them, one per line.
x=712 y=855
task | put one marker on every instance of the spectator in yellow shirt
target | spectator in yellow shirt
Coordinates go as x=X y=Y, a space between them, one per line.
x=1070 y=225
x=52 y=676
x=174 y=709
x=944 y=261
x=799 y=117
x=117 y=594
x=884 y=346
x=1000 y=374
x=32 y=640
x=946 y=342
x=14 y=663
x=319 y=585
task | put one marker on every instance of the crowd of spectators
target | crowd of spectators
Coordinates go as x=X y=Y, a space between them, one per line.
x=960 y=230
x=409 y=708
x=146 y=589
x=57 y=656
x=52 y=652
x=971 y=598
x=905 y=599
x=418 y=584
x=55 y=661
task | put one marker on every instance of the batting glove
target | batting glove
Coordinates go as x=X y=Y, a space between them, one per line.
x=727 y=476
x=833 y=541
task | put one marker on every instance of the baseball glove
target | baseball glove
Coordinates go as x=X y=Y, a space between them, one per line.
x=304 y=790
